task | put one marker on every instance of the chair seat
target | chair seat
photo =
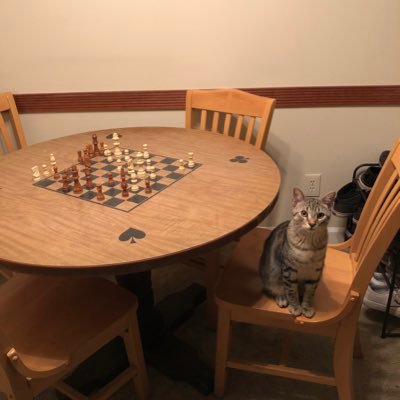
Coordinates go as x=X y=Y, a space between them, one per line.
x=240 y=285
x=49 y=319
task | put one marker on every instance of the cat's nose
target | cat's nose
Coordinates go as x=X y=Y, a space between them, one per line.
x=311 y=224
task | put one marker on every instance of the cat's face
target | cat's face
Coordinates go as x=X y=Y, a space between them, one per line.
x=311 y=213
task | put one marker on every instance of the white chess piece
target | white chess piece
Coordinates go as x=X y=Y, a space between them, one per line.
x=35 y=173
x=133 y=177
x=117 y=150
x=153 y=175
x=140 y=172
x=106 y=151
x=181 y=164
x=139 y=155
x=148 y=165
x=135 y=187
x=145 y=151
x=45 y=170
x=52 y=160
x=115 y=136
x=191 y=163
x=130 y=166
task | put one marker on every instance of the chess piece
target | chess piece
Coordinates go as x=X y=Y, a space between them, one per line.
x=45 y=170
x=133 y=178
x=124 y=187
x=90 y=151
x=87 y=162
x=111 y=181
x=77 y=186
x=96 y=149
x=102 y=148
x=148 y=165
x=148 y=188
x=181 y=165
x=117 y=150
x=115 y=136
x=80 y=158
x=65 y=186
x=106 y=152
x=52 y=161
x=89 y=183
x=56 y=174
x=153 y=175
x=135 y=187
x=130 y=166
x=140 y=172
x=191 y=163
x=145 y=151
x=100 y=195
x=139 y=155
x=35 y=173
x=122 y=172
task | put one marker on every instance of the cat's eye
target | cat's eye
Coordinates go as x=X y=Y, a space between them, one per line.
x=320 y=215
x=304 y=213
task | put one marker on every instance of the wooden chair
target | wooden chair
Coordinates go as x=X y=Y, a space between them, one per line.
x=15 y=138
x=48 y=326
x=231 y=112
x=338 y=298
x=234 y=113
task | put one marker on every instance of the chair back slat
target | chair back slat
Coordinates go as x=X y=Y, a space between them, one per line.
x=214 y=127
x=9 y=109
x=203 y=119
x=227 y=124
x=239 y=125
x=225 y=103
x=250 y=129
x=379 y=221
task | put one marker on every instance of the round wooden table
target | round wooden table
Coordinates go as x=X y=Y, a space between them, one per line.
x=45 y=231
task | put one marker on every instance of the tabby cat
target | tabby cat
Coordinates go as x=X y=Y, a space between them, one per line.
x=293 y=257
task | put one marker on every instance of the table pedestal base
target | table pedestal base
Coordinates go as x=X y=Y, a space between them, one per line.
x=163 y=350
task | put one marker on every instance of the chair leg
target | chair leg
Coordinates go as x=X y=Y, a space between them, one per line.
x=343 y=362
x=133 y=346
x=222 y=351
x=212 y=271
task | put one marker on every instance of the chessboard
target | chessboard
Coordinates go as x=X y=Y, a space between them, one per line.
x=166 y=169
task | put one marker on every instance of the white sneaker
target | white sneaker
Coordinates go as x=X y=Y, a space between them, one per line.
x=377 y=299
x=378 y=283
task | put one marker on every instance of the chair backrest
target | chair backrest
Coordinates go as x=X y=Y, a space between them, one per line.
x=15 y=138
x=379 y=221
x=231 y=112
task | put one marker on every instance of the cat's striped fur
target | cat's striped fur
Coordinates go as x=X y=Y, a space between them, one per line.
x=293 y=257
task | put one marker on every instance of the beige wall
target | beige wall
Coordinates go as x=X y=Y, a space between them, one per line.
x=89 y=45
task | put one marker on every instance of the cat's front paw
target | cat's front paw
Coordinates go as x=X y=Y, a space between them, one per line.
x=281 y=301
x=308 y=311
x=295 y=310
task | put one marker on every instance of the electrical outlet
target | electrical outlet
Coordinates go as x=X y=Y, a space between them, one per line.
x=312 y=185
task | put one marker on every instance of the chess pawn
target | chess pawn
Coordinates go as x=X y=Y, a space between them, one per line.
x=110 y=157
x=77 y=186
x=124 y=187
x=100 y=195
x=181 y=164
x=80 y=158
x=148 y=165
x=135 y=187
x=65 y=186
x=56 y=174
x=106 y=152
x=89 y=183
x=35 y=173
x=45 y=170
x=117 y=150
x=102 y=148
x=139 y=155
x=110 y=179
x=115 y=136
x=141 y=172
x=190 y=162
x=133 y=177
x=145 y=151
x=148 y=188
x=52 y=160
x=153 y=175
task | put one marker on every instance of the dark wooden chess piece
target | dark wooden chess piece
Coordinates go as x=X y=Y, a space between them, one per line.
x=77 y=186
x=56 y=174
x=148 y=188
x=110 y=179
x=96 y=149
x=65 y=186
x=124 y=187
x=100 y=195
x=80 y=158
x=102 y=148
x=89 y=183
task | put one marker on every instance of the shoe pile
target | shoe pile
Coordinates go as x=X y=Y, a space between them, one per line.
x=377 y=294
x=350 y=199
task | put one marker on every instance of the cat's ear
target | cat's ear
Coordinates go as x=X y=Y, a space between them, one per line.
x=329 y=199
x=298 y=196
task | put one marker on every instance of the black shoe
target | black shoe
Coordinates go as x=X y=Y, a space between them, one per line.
x=383 y=157
x=368 y=177
x=347 y=201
